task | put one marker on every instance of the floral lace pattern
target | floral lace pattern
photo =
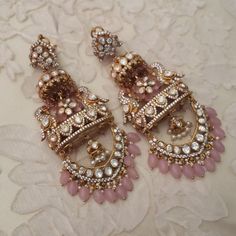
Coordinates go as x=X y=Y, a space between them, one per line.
x=196 y=37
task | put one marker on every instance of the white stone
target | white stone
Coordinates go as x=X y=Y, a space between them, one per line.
x=200 y=137
x=195 y=146
x=149 y=89
x=98 y=173
x=119 y=146
x=89 y=173
x=39 y=49
x=45 y=121
x=117 y=154
x=92 y=97
x=72 y=104
x=149 y=110
x=129 y=56
x=123 y=61
x=169 y=148
x=94 y=145
x=202 y=121
x=54 y=73
x=53 y=138
x=126 y=108
x=186 y=149
x=91 y=113
x=81 y=170
x=46 y=77
x=114 y=163
x=68 y=111
x=202 y=128
x=162 y=100
x=108 y=171
x=173 y=91
x=78 y=120
x=49 y=60
x=199 y=112
x=177 y=150
x=161 y=144
x=65 y=128
x=118 y=138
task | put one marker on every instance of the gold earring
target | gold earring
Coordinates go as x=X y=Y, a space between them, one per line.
x=72 y=116
x=150 y=94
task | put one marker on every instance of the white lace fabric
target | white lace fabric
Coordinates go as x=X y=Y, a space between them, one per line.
x=195 y=37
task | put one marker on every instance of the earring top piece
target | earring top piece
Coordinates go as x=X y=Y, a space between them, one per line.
x=104 y=43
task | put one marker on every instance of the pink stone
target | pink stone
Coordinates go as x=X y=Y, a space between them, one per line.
x=163 y=166
x=65 y=177
x=175 y=171
x=134 y=149
x=110 y=195
x=211 y=111
x=198 y=170
x=210 y=164
x=218 y=132
x=84 y=194
x=132 y=173
x=188 y=171
x=127 y=183
x=218 y=145
x=133 y=137
x=152 y=161
x=215 y=122
x=98 y=196
x=215 y=155
x=129 y=161
x=72 y=188
x=121 y=192
x=61 y=117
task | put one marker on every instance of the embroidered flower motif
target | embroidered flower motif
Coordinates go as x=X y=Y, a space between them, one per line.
x=66 y=107
x=145 y=88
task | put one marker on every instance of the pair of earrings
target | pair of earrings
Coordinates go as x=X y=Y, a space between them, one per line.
x=72 y=116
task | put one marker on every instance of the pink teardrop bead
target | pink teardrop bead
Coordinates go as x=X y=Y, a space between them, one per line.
x=210 y=164
x=133 y=137
x=188 y=171
x=65 y=177
x=163 y=166
x=152 y=161
x=121 y=192
x=215 y=122
x=218 y=145
x=127 y=183
x=134 y=149
x=84 y=194
x=211 y=111
x=98 y=196
x=218 y=132
x=175 y=171
x=198 y=170
x=132 y=173
x=72 y=188
x=215 y=155
x=129 y=161
x=110 y=195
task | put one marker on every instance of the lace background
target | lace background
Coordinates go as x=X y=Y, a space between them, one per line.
x=196 y=37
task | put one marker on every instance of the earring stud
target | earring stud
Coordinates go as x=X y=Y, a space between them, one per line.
x=104 y=43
